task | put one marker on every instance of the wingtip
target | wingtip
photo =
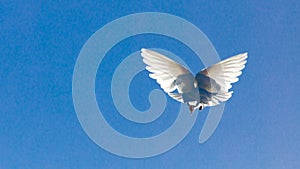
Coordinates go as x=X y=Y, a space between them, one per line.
x=143 y=52
x=243 y=56
x=143 y=49
x=246 y=54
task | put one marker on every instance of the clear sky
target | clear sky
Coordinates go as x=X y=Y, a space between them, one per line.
x=39 y=45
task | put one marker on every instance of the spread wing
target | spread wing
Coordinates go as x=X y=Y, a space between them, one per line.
x=217 y=79
x=166 y=72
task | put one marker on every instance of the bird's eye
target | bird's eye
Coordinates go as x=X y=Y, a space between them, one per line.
x=201 y=107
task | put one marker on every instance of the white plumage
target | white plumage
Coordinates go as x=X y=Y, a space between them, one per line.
x=210 y=86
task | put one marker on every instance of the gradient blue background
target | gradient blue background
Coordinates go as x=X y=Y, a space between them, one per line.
x=39 y=44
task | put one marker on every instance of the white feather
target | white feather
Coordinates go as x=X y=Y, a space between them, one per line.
x=165 y=71
x=227 y=71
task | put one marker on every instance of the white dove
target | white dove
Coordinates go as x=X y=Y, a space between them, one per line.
x=210 y=87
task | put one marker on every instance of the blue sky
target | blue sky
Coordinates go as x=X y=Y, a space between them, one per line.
x=39 y=45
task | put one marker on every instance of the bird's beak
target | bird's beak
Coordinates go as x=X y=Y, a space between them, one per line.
x=191 y=109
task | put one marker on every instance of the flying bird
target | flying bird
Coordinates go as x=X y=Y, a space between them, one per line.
x=209 y=87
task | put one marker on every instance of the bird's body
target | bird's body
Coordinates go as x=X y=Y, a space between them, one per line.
x=210 y=86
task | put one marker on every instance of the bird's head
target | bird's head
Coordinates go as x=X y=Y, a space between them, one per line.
x=195 y=105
